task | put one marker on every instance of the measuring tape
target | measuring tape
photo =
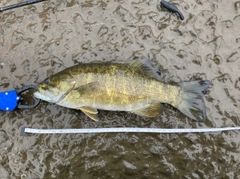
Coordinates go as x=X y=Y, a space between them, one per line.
x=25 y=130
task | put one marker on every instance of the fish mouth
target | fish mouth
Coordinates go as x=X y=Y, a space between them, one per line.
x=38 y=95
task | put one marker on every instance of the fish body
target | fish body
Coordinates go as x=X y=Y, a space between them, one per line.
x=134 y=87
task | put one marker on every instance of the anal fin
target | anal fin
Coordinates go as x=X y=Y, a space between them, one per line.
x=90 y=112
x=151 y=111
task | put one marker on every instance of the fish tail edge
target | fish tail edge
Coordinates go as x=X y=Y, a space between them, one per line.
x=191 y=101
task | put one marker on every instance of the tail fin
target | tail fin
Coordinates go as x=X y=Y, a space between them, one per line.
x=191 y=103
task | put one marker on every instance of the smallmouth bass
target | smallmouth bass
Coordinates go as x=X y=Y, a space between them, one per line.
x=133 y=87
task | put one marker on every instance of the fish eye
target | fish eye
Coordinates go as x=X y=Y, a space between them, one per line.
x=47 y=81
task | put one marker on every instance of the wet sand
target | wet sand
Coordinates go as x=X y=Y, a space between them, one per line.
x=42 y=39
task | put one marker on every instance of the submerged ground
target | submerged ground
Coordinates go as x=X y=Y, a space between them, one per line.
x=42 y=39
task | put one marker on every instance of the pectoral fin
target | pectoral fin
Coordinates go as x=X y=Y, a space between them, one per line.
x=90 y=112
x=88 y=88
x=151 y=111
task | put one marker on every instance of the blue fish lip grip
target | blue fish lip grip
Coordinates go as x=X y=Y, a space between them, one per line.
x=11 y=100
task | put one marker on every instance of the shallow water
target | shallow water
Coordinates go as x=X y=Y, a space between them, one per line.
x=39 y=40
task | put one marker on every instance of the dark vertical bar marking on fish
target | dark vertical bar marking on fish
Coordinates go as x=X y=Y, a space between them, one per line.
x=25 y=3
x=172 y=8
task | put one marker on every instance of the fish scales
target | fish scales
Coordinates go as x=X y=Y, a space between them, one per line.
x=123 y=86
x=134 y=87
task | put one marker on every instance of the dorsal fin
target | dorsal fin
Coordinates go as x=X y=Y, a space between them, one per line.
x=145 y=67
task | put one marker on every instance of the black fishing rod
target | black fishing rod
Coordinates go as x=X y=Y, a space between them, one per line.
x=25 y=3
